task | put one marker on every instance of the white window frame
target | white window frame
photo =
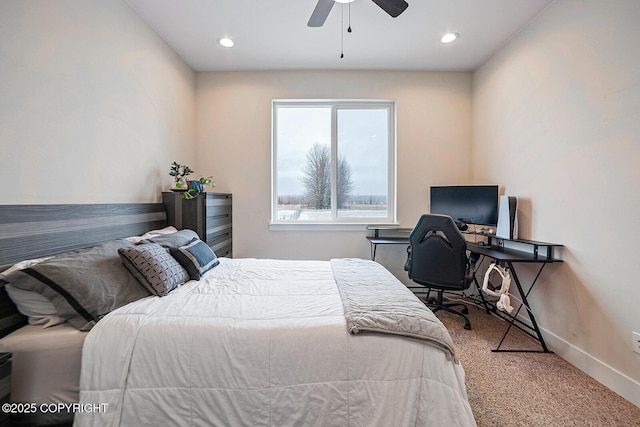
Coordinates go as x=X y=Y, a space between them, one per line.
x=336 y=222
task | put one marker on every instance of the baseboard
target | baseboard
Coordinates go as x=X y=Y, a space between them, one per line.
x=600 y=371
x=608 y=376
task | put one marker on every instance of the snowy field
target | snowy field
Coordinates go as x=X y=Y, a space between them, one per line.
x=325 y=215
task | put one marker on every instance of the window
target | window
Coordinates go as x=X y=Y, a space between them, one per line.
x=333 y=162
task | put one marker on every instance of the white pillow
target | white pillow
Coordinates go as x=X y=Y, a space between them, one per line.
x=152 y=233
x=36 y=307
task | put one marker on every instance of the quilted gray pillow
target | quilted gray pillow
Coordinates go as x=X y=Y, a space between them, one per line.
x=154 y=267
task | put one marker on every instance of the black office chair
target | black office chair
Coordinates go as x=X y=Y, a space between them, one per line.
x=437 y=259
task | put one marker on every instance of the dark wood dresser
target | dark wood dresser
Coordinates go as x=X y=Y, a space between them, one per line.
x=209 y=215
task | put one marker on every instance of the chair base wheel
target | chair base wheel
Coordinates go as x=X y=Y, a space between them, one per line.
x=437 y=304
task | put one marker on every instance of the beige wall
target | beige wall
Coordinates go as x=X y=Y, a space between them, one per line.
x=234 y=145
x=558 y=110
x=94 y=106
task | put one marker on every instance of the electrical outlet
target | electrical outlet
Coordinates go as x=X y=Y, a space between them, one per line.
x=635 y=338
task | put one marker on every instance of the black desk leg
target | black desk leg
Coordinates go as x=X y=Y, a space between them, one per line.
x=535 y=327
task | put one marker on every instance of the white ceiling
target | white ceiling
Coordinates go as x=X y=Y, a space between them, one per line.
x=273 y=34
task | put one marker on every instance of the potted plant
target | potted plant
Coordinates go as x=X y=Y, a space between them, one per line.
x=179 y=173
x=197 y=187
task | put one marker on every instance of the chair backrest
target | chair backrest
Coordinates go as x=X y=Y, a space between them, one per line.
x=438 y=257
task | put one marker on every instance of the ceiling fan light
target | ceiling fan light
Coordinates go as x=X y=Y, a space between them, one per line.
x=225 y=42
x=449 y=38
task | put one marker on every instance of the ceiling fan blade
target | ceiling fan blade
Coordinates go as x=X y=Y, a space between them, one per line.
x=320 y=13
x=392 y=7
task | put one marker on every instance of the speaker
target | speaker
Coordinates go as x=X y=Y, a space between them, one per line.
x=508 y=218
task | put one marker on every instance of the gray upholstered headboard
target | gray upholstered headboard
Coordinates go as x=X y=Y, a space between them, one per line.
x=35 y=231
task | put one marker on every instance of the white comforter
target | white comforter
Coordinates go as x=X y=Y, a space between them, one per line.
x=262 y=343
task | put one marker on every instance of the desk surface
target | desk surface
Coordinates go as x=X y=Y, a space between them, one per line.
x=507 y=254
x=389 y=227
x=388 y=240
x=526 y=241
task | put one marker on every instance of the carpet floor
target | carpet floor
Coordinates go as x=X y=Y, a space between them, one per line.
x=528 y=389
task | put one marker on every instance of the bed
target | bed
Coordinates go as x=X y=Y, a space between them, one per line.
x=251 y=342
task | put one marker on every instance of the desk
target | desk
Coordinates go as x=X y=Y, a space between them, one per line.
x=376 y=239
x=509 y=256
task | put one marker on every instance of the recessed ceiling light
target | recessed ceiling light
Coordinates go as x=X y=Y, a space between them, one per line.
x=344 y=1
x=226 y=42
x=449 y=37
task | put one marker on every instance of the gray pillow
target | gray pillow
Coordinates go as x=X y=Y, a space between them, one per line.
x=83 y=285
x=173 y=240
x=154 y=267
x=196 y=257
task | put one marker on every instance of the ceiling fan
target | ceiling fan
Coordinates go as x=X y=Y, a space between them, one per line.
x=393 y=7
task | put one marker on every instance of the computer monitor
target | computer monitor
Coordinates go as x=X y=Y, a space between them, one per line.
x=466 y=204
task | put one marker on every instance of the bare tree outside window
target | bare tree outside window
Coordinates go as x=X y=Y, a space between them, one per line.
x=317 y=178
x=345 y=184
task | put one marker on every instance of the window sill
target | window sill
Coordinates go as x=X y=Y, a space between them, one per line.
x=336 y=226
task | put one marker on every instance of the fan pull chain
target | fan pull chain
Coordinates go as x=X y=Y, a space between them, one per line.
x=341 y=32
x=342 y=26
